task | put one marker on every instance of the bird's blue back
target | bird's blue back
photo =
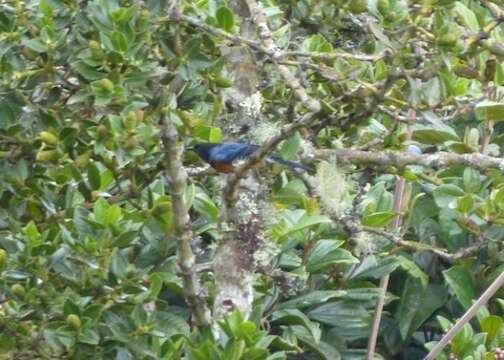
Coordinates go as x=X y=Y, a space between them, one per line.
x=229 y=152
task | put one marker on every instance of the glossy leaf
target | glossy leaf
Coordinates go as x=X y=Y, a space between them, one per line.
x=225 y=18
x=326 y=253
x=461 y=282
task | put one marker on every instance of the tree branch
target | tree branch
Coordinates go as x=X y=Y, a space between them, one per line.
x=193 y=292
x=400 y=160
x=413 y=245
x=341 y=55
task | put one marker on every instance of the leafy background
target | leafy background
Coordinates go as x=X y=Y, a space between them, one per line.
x=88 y=252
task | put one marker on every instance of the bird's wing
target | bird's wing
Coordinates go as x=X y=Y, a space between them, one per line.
x=230 y=152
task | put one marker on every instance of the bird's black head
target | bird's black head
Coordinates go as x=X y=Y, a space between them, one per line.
x=203 y=150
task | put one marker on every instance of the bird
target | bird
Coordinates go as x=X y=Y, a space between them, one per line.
x=223 y=156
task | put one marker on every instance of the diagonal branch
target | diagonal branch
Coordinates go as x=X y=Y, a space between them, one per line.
x=469 y=314
x=193 y=292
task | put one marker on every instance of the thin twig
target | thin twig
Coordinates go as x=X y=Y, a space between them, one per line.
x=416 y=246
x=483 y=299
x=396 y=224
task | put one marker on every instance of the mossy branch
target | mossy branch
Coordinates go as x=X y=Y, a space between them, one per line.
x=193 y=292
x=400 y=160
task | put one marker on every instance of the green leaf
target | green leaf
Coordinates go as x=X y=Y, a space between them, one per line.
x=279 y=355
x=162 y=212
x=171 y=324
x=312 y=298
x=35 y=45
x=378 y=219
x=324 y=350
x=467 y=16
x=462 y=340
x=378 y=199
x=429 y=135
x=316 y=43
x=326 y=253
x=471 y=180
x=301 y=223
x=139 y=315
x=119 y=265
x=341 y=313
x=94 y=176
x=45 y=8
x=123 y=354
x=8 y=113
x=119 y=41
x=100 y=208
x=435 y=296
x=446 y=195
x=32 y=234
x=89 y=336
x=15 y=275
x=215 y=135
x=489 y=111
x=460 y=280
x=411 y=300
x=125 y=238
x=7 y=343
x=290 y=147
x=86 y=71
x=445 y=324
x=465 y=204
x=204 y=205
x=231 y=323
x=112 y=215
x=156 y=284
x=413 y=270
x=296 y=317
x=373 y=267
x=460 y=147
x=492 y=325
x=283 y=343
x=79 y=97
x=234 y=349
x=225 y=18
x=59 y=339
x=291 y=193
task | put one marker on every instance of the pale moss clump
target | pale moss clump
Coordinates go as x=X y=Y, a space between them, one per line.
x=246 y=207
x=334 y=188
x=253 y=104
x=264 y=131
x=364 y=244
x=267 y=251
x=307 y=149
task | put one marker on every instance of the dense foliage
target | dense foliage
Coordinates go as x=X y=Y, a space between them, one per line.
x=88 y=252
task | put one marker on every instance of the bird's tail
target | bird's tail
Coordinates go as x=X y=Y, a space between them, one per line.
x=289 y=163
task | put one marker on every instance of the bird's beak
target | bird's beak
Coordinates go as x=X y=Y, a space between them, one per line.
x=189 y=148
